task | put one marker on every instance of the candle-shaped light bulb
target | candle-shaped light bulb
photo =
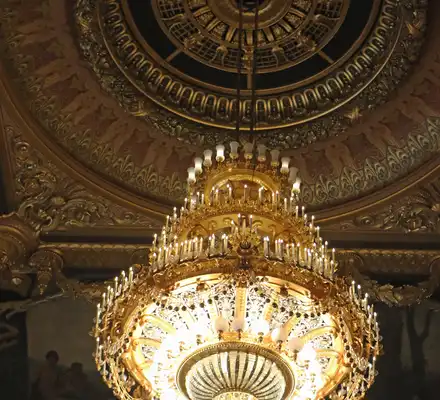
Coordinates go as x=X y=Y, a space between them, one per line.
x=220 y=157
x=116 y=286
x=266 y=246
x=261 y=148
x=198 y=162
x=207 y=162
x=98 y=314
x=245 y=192
x=234 y=150
x=191 y=175
x=285 y=165
x=225 y=243
x=130 y=276
x=260 y=194
x=274 y=157
x=359 y=293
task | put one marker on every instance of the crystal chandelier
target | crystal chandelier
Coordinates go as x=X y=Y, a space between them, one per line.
x=240 y=298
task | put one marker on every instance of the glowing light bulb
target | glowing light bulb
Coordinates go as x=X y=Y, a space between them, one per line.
x=234 y=150
x=168 y=394
x=274 y=155
x=170 y=343
x=261 y=152
x=182 y=335
x=248 y=147
x=261 y=326
x=293 y=172
x=296 y=187
x=314 y=368
x=295 y=344
x=239 y=324
x=208 y=155
x=191 y=175
x=308 y=353
x=221 y=324
x=220 y=153
x=199 y=329
x=285 y=165
x=198 y=165
x=280 y=334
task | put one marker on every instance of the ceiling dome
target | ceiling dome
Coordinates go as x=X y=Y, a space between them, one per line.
x=312 y=58
x=127 y=92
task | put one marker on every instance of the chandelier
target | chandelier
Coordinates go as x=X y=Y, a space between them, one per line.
x=240 y=298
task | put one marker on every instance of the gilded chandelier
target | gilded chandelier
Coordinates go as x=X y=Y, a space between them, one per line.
x=240 y=298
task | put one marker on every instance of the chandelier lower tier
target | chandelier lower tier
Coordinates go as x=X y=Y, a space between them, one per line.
x=240 y=298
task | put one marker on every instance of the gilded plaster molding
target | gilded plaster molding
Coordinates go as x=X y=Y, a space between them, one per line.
x=391 y=143
x=358 y=264
x=417 y=212
x=50 y=200
x=99 y=256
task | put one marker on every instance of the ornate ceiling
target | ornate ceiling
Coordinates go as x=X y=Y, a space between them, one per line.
x=128 y=91
x=105 y=102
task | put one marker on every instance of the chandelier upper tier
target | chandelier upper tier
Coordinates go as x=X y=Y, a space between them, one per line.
x=240 y=298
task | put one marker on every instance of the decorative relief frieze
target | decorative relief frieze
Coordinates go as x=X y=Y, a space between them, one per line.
x=359 y=264
x=50 y=200
x=418 y=212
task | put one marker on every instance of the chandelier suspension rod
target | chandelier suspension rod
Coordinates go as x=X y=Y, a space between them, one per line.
x=239 y=66
x=254 y=72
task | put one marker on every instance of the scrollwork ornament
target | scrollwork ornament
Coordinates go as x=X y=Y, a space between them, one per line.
x=353 y=266
x=50 y=200
x=47 y=264
x=416 y=213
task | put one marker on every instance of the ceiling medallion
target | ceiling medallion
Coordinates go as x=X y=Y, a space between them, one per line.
x=317 y=61
x=291 y=31
x=240 y=299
